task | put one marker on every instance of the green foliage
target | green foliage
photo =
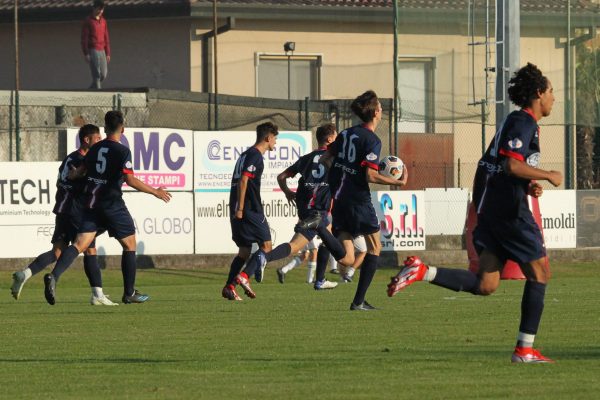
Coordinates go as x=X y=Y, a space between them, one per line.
x=294 y=343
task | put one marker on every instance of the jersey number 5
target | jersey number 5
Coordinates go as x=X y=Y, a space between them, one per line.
x=101 y=163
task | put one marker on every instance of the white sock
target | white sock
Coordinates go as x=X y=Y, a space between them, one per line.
x=27 y=273
x=97 y=292
x=333 y=263
x=350 y=271
x=310 y=274
x=525 y=339
x=430 y=274
x=291 y=265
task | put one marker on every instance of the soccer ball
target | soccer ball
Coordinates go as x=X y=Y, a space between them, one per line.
x=391 y=166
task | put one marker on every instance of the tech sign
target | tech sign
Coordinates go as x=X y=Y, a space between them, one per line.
x=27 y=193
x=216 y=153
x=161 y=157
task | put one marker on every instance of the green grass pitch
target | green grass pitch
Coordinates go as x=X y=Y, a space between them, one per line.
x=294 y=343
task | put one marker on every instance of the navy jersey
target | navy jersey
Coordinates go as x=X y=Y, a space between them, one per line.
x=68 y=192
x=355 y=149
x=496 y=193
x=313 y=188
x=251 y=165
x=107 y=163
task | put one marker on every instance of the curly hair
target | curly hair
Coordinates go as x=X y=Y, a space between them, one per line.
x=526 y=85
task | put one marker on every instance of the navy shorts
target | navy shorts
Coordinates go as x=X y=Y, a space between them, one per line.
x=65 y=230
x=518 y=239
x=356 y=219
x=310 y=234
x=252 y=228
x=115 y=219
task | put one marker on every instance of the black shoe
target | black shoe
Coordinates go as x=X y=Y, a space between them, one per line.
x=311 y=222
x=280 y=275
x=136 y=297
x=362 y=307
x=50 y=289
x=334 y=271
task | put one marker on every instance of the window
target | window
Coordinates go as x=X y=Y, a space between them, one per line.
x=416 y=88
x=279 y=76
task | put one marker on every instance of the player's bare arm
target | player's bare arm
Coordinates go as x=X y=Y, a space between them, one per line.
x=522 y=170
x=242 y=186
x=282 y=181
x=159 y=193
x=375 y=177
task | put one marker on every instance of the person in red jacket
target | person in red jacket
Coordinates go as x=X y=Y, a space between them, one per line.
x=96 y=44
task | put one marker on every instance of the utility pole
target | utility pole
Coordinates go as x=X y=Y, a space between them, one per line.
x=17 y=85
x=508 y=35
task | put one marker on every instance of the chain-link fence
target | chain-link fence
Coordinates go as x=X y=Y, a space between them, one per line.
x=441 y=150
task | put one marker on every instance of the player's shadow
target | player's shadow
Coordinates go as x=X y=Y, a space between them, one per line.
x=142 y=260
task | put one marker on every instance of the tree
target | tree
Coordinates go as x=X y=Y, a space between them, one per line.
x=587 y=117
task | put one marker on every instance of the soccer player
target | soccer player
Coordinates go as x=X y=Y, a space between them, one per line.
x=107 y=165
x=309 y=254
x=313 y=201
x=248 y=222
x=354 y=160
x=360 y=251
x=68 y=209
x=506 y=228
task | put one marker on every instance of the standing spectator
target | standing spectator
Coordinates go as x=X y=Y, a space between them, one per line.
x=96 y=44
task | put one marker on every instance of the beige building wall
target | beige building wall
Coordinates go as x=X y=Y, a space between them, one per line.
x=164 y=54
x=145 y=53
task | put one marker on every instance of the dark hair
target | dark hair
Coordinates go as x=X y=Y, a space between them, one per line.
x=526 y=85
x=99 y=4
x=112 y=121
x=324 y=131
x=263 y=130
x=87 y=129
x=365 y=106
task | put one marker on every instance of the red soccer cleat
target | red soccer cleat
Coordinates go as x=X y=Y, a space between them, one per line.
x=529 y=355
x=244 y=282
x=230 y=294
x=414 y=270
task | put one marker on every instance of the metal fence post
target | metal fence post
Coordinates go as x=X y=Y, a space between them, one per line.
x=10 y=126
x=216 y=111
x=306 y=114
x=299 y=115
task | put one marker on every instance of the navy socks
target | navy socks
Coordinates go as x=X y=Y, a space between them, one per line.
x=92 y=270
x=236 y=267
x=64 y=261
x=128 y=270
x=532 y=306
x=459 y=280
x=367 y=272
x=322 y=260
x=41 y=262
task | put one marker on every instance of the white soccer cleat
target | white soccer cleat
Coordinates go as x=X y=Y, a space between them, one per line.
x=322 y=285
x=17 y=285
x=102 y=301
